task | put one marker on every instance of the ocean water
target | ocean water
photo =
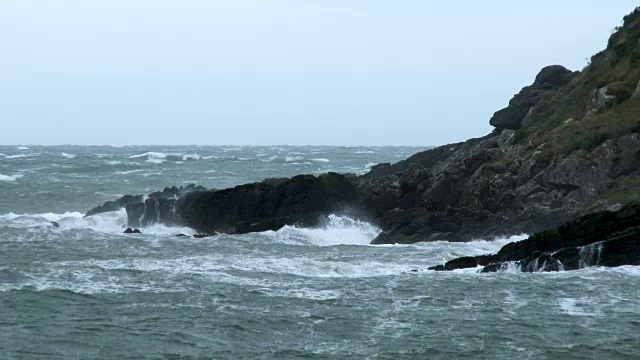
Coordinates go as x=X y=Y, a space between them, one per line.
x=87 y=291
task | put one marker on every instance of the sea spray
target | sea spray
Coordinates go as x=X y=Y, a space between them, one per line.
x=590 y=255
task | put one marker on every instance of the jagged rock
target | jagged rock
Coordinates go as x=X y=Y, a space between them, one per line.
x=549 y=78
x=169 y=193
x=114 y=205
x=604 y=239
x=303 y=199
x=55 y=224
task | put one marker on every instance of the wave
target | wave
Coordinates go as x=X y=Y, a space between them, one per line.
x=113 y=222
x=16 y=156
x=339 y=230
x=321 y=160
x=68 y=156
x=10 y=177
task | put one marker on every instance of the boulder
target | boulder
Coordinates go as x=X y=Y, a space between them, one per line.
x=549 y=78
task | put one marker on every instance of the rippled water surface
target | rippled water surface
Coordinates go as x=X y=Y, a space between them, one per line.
x=85 y=290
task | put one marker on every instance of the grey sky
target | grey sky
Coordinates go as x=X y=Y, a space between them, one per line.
x=336 y=72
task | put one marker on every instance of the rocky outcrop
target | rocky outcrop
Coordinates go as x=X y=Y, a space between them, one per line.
x=550 y=78
x=303 y=199
x=114 y=205
x=143 y=210
x=608 y=238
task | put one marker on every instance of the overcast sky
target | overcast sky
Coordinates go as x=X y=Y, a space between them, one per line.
x=334 y=72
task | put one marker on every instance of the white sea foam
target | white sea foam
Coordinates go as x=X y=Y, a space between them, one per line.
x=68 y=156
x=293 y=158
x=113 y=162
x=321 y=160
x=23 y=148
x=339 y=230
x=16 y=156
x=10 y=177
x=364 y=152
x=191 y=157
x=112 y=222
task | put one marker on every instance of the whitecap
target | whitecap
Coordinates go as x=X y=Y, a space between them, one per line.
x=150 y=155
x=23 y=148
x=16 y=156
x=364 y=152
x=293 y=158
x=67 y=155
x=113 y=162
x=11 y=177
x=191 y=157
x=321 y=160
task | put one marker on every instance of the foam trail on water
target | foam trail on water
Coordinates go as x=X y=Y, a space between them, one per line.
x=113 y=222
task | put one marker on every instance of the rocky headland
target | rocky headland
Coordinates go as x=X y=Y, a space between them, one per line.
x=565 y=147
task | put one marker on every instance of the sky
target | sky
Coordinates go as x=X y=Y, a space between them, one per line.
x=298 y=72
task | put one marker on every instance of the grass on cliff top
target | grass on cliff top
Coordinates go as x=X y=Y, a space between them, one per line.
x=618 y=64
x=585 y=134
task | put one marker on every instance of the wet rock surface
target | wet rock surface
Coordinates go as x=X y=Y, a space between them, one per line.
x=608 y=238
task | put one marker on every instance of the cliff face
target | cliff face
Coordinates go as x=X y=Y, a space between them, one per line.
x=566 y=145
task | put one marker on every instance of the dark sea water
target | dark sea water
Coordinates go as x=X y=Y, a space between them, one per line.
x=87 y=291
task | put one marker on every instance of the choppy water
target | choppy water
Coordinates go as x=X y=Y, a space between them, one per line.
x=85 y=290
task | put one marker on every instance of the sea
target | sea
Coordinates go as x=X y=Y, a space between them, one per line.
x=85 y=290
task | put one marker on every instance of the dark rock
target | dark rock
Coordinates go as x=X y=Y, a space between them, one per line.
x=114 y=205
x=135 y=213
x=303 y=199
x=128 y=231
x=182 y=235
x=55 y=224
x=201 y=236
x=548 y=79
x=605 y=238
x=274 y=181
x=553 y=74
